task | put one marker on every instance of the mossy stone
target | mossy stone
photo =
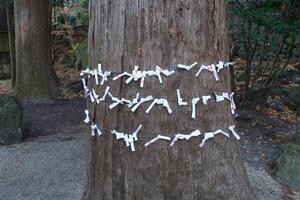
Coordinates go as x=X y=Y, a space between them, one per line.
x=10 y=120
x=293 y=99
x=288 y=163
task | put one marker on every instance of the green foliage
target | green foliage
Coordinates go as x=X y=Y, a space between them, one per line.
x=265 y=34
x=72 y=12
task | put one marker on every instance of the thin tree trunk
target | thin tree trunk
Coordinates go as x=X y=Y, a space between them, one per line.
x=35 y=76
x=11 y=38
x=124 y=33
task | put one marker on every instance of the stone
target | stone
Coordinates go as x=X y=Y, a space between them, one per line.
x=277 y=105
x=293 y=99
x=11 y=114
x=288 y=164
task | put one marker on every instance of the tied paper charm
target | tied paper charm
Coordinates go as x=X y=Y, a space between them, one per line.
x=209 y=135
x=159 y=71
x=162 y=102
x=210 y=68
x=94 y=128
x=221 y=65
x=230 y=98
x=158 y=137
x=104 y=75
x=128 y=138
x=141 y=75
x=143 y=100
x=87 y=118
x=187 y=67
x=195 y=133
x=95 y=73
x=194 y=102
x=231 y=128
x=179 y=99
x=97 y=97
x=117 y=101
x=205 y=99
x=135 y=75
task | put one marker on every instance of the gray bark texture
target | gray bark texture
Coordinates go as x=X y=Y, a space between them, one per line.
x=11 y=38
x=124 y=33
x=35 y=77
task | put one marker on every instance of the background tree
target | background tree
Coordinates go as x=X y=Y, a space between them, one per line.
x=11 y=37
x=35 y=77
x=148 y=33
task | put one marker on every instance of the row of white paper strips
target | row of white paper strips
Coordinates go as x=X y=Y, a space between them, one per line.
x=135 y=102
x=137 y=74
x=131 y=138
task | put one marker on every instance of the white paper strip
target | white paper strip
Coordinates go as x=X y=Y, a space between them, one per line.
x=134 y=101
x=120 y=75
x=155 y=72
x=118 y=135
x=211 y=68
x=87 y=117
x=195 y=133
x=104 y=75
x=134 y=134
x=105 y=94
x=95 y=128
x=205 y=99
x=116 y=101
x=143 y=100
x=179 y=99
x=194 y=102
x=84 y=84
x=186 y=67
x=162 y=102
x=232 y=103
x=86 y=71
x=209 y=135
x=128 y=138
x=158 y=137
x=236 y=135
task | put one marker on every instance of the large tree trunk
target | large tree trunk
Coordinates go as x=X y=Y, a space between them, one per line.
x=123 y=33
x=11 y=38
x=35 y=77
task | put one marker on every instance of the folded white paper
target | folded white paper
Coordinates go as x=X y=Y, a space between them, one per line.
x=209 y=135
x=128 y=138
x=158 y=137
x=87 y=117
x=205 y=99
x=232 y=103
x=143 y=100
x=194 y=102
x=186 y=67
x=162 y=102
x=134 y=101
x=179 y=99
x=236 y=135
x=195 y=133
x=94 y=128
x=210 y=68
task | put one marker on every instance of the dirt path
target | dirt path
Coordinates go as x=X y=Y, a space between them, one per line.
x=51 y=162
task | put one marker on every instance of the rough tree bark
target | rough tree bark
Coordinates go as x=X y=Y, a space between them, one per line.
x=35 y=77
x=123 y=33
x=11 y=38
